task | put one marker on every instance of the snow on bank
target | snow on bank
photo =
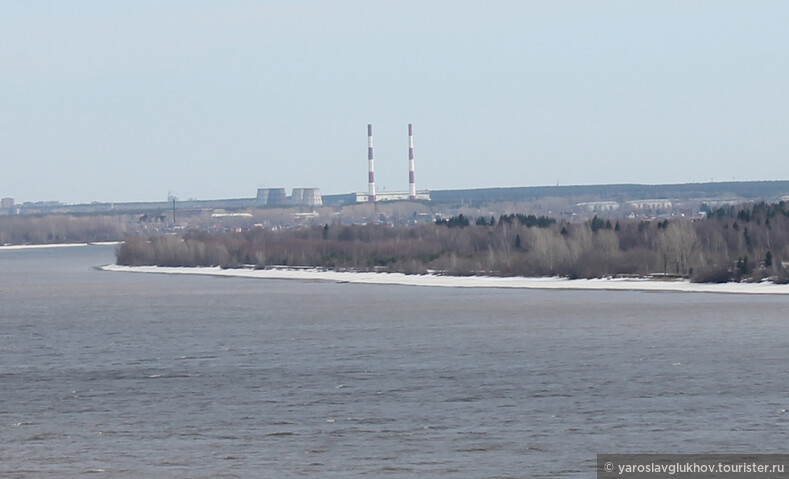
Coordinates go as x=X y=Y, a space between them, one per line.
x=617 y=284
x=58 y=245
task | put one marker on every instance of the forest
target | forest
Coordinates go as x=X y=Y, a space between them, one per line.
x=744 y=243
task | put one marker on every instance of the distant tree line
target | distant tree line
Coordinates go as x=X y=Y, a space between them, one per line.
x=62 y=229
x=746 y=243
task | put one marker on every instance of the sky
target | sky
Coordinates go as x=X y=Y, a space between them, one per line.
x=135 y=100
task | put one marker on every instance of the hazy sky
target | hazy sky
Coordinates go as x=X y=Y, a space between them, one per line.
x=127 y=100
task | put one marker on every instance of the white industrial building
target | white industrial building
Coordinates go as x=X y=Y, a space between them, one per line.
x=392 y=196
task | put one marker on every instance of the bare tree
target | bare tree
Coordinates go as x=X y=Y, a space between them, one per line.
x=678 y=246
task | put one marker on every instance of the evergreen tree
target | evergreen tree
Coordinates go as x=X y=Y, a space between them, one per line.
x=597 y=224
x=742 y=266
x=747 y=237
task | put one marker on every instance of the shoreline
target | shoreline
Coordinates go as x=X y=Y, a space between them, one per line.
x=13 y=247
x=432 y=280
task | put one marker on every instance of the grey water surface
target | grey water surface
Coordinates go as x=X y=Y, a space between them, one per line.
x=127 y=375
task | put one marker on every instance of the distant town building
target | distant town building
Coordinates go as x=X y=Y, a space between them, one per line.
x=659 y=204
x=7 y=206
x=598 y=206
x=231 y=215
x=718 y=202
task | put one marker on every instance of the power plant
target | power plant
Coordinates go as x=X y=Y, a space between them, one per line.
x=372 y=196
x=312 y=196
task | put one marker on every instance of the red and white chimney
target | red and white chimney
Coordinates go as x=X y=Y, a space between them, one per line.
x=411 y=182
x=370 y=165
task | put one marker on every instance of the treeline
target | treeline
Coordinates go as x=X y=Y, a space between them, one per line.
x=732 y=244
x=62 y=229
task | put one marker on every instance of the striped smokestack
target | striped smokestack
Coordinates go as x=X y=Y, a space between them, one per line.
x=411 y=182
x=370 y=164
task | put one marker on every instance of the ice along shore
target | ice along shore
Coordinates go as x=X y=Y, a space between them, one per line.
x=435 y=280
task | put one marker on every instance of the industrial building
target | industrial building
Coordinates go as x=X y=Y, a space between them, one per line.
x=299 y=197
x=306 y=197
x=372 y=196
x=392 y=196
x=272 y=196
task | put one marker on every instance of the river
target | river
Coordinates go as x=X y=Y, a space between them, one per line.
x=129 y=375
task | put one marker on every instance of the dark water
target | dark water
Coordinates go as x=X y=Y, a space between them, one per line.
x=130 y=375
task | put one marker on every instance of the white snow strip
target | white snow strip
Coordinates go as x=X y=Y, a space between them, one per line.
x=618 y=284
x=58 y=245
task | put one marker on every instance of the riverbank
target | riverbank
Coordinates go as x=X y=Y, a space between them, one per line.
x=433 y=280
x=10 y=247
